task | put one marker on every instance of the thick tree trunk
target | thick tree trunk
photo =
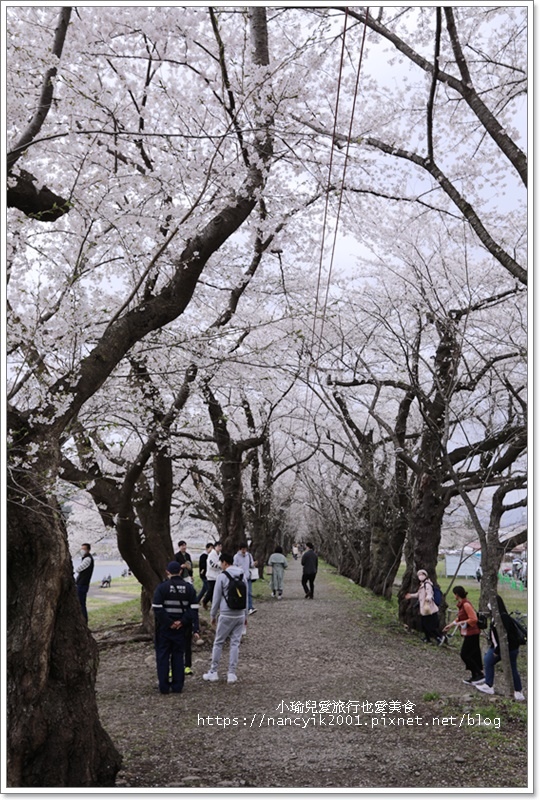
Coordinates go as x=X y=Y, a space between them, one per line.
x=386 y=552
x=431 y=499
x=55 y=737
x=492 y=553
x=233 y=530
x=425 y=536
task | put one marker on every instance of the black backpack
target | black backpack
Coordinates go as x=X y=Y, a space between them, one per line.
x=521 y=631
x=437 y=595
x=236 y=597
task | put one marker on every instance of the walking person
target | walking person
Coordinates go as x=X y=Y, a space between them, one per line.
x=467 y=620
x=213 y=571
x=295 y=551
x=244 y=560
x=175 y=609
x=83 y=576
x=493 y=655
x=278 y=562
x=310 y=564
x=429 y=610
x=230 y=602
x=203 y=559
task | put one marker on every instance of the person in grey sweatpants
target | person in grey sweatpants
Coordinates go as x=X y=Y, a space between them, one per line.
x=230 y=623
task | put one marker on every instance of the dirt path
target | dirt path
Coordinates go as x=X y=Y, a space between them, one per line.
x=325 y=650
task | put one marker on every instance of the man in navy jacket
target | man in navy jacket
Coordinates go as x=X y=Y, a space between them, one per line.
x=175 y=607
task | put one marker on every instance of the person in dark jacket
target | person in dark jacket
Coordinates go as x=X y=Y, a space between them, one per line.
x=83 y=576
x=202 y=570
x=184 y=559
x=310 y=563
x=493 y=655
x=175 y=608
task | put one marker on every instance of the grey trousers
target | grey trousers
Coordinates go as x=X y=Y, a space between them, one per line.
x=227 y=626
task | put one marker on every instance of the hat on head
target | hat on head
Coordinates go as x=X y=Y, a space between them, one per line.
x=421 y=572
x=173 y=567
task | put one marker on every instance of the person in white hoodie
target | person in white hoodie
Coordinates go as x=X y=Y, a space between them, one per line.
x=232 y=618
x=213 y=571
x=244 y=560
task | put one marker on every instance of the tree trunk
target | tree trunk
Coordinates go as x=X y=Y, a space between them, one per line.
x=431 y=499
x=492 y=553
x=232 y=529
x=386 y=552
x=148 y=619
x=426 y=525
x=55 y=737
x=232 y=521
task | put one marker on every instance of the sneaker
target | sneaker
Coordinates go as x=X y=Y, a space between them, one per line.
x=478 y=681
x=483 y=687
x=231 y=677
x=443 y=640
x=519 y=696
x=188 y=671
x=211 y=676
x=467 y=680
x=306 y=597
x=279 y=596
x=273 y=594
x=252 y=611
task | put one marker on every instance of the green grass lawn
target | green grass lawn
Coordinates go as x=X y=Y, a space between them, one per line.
x=102 y=613
x=106 y=616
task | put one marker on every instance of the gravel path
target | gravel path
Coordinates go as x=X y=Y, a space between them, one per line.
x=324 y=650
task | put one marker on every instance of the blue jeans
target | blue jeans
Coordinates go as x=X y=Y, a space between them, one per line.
x=82 y=591
x=170 y=656
x=250 y=594
x=203 y=590
x=491 y=658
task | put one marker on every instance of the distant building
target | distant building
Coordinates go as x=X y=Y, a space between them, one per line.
x=463 y=564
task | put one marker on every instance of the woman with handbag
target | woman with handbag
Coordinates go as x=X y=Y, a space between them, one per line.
x=467 y=620
x=429 y=610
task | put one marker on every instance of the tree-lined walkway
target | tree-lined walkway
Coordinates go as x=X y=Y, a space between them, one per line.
x=323 y=651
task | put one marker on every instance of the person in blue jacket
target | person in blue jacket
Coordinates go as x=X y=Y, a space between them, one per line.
x=175 y=607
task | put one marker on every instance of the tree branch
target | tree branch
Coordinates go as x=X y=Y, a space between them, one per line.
x=47 y=90
x=493 y=127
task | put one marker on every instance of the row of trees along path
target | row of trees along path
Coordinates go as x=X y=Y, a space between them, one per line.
x=329 y=649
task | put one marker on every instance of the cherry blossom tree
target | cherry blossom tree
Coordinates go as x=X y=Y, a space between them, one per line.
x=134 y=198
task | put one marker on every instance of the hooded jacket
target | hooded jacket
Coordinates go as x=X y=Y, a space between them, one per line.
x=219 y=599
